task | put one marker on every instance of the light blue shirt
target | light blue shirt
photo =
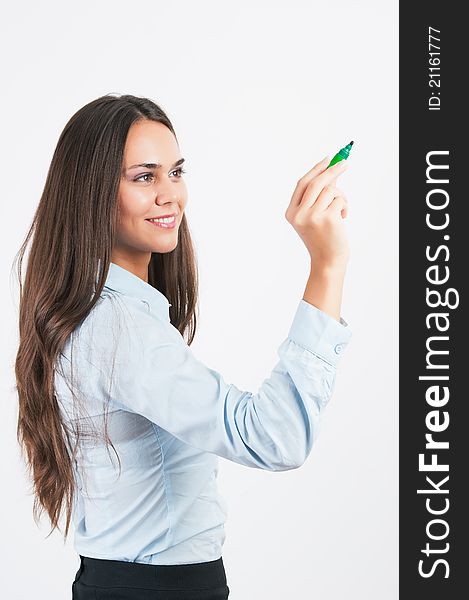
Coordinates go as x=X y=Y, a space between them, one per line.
x=170 y=417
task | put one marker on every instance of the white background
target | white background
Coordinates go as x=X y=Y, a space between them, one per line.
x=258 y=92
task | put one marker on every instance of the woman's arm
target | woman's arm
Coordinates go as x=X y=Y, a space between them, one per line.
x=324 y=288
x=148 y=368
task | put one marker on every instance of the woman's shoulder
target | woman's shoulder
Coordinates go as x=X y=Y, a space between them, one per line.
x=118 y=327
x=124 y=319
x=113 y=308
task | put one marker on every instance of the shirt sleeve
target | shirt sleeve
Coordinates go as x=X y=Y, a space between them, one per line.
x=155 y=373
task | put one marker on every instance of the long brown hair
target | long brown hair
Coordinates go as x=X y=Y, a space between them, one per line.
x=72 y=236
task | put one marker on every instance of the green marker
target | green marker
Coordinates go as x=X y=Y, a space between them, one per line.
x=342 y=154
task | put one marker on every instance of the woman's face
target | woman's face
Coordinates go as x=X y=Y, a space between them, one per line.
x=147 y=192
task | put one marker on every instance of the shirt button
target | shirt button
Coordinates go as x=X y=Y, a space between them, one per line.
x=338 y=348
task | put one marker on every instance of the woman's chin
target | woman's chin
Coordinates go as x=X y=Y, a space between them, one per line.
x=164 y=248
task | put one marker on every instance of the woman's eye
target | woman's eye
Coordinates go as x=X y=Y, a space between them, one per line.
x=139 y=178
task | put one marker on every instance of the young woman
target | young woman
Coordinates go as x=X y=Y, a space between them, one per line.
x=110 y=291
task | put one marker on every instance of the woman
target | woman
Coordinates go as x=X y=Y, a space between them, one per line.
x=109 y=292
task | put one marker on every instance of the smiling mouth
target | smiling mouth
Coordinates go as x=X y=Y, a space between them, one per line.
x=166 y=223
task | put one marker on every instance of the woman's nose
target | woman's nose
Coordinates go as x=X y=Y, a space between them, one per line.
x=163 y=198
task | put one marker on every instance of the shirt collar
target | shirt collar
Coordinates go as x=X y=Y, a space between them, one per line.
x=125 y=282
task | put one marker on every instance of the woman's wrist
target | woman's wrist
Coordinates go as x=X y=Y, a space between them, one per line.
x=338 y=266
x=324 y=287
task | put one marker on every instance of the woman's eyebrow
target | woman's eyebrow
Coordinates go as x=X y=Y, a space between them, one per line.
x=156 y=165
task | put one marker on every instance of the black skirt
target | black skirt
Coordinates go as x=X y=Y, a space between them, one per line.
x=100 y=579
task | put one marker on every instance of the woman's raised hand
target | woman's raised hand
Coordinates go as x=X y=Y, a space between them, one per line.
x=316 y=212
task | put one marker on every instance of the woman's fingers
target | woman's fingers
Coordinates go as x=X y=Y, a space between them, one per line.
x=303 y=182
x=315 y=185
x=328 y=200
x=328 y=194
x=310 y=186
x=338 y=205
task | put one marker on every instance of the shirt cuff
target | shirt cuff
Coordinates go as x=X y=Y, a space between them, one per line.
x=319 y=333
